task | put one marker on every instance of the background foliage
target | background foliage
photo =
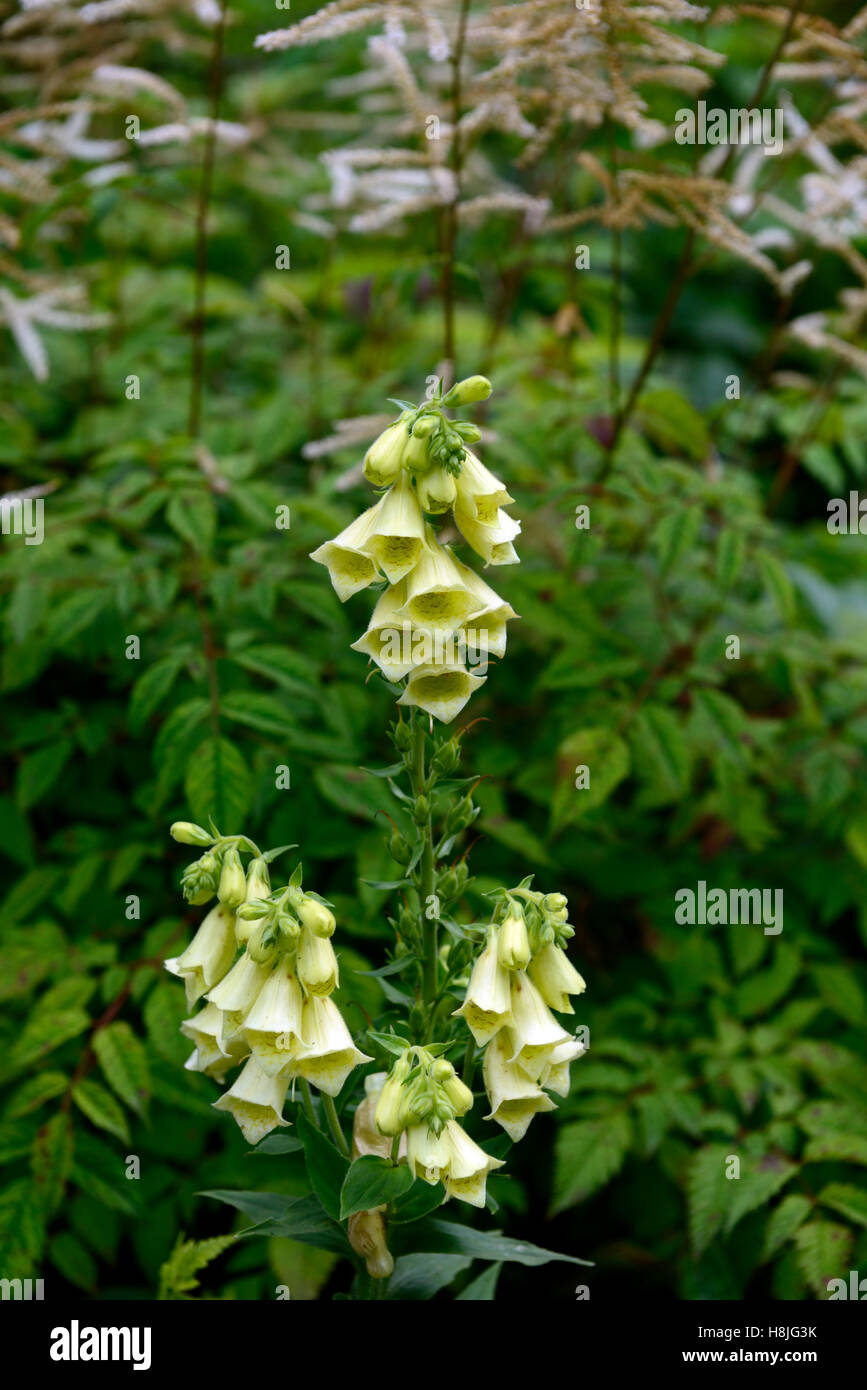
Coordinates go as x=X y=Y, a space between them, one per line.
x=709 y=521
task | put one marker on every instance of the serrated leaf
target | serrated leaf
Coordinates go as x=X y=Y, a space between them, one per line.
x=218 y=784
x=606 y=757
x=709 y=1193
x=674 y=536
x=151 y=688
x=124 y=1064
x=179 y=1274
x=784 y=1222
x=824 y=1252
x=587 y=1155
x=101 y=1108
x=849 y=1201
x=193 y=516
x=760 y=1180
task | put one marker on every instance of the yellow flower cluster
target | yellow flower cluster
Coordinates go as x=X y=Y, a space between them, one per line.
x=266 y=967
x=421 y=1100
x=519 y=977
x=437 y=619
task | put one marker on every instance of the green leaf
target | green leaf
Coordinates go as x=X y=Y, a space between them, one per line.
x=218 y=784
x=74 y=1262
x=660 y=755
x=326 y=1166
x=606 y=757
x=420 y=1276
x=372 y=1182
x=824 y=1251
x=194 y=517
x=842 y=1148
x=303 y=1219
x=436 y=1236
x=849 y=1201
x=151 y=688
x=29 y=1096
x=730 y=554
x=760 y=1180
x=763 y=990
x=179 y=1274
x=587 y=1155
x=785 y=1220
x=101 y=1108
x=39 y=771
x=164 y=1012
x=124 y=1064
x=674 y=536
x=709 y=1193
x=841 y=991
x=482 y=1289
x=777 y=584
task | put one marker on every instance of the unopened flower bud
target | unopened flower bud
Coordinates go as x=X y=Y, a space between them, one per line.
x=382 y=461
x=262 y=945
x=416 y=454
x=421 y=810
x=233 y=881
x=555 y=902
x=258 y=879
x=399 y=849
x=317 y=964
x=316 y=917
x=188 y=833
x=446 y=759
x=513 y=951
x=436 y=491
x=402 y=735
x=472 y=388
x=455 y=1091
x=391 y=1105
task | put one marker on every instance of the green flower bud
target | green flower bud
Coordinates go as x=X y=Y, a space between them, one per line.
x=233 y=881
x=436 y=491
x=258 y=879
x=555 y=902
x=289 y=928
x=186 y=832
x=383 y=459
x=425 y=426
x=416 y=454
x=513 y=949
x=389 y=1113
x=421 y=810
x=262 y=945
x=316 y=916
x=459 y=1096
x=253 y=910
x=401 y=735
x=472 y=388
x=199 y=879
x=446 y=759
x=399 y=849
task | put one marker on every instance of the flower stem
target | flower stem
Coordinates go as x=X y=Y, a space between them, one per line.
x=307 y=1102
x=329 y=1110
x=426 y=872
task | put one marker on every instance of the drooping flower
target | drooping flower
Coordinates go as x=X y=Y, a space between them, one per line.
x=438 y=598
x=441 y=690
x=209 y=954
x=490 y=539
x=479 y=494
x=329 y=1053
x=427 y=1152
x=272 y=1029
x=397 y=529
x=349 y=565
x=535 y=1031
x=467 y=1166
x=556 y=978
x=236 y=993
x=389 y=637
x=210 y=1055
x=487 y=1005
x=256 y=1101
x=555 y=1073
x=515 y=1098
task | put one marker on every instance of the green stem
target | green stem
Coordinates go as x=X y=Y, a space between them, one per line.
x=307 y=1102
x=426 y=872
x=469 y=1063
x=330 y=1111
